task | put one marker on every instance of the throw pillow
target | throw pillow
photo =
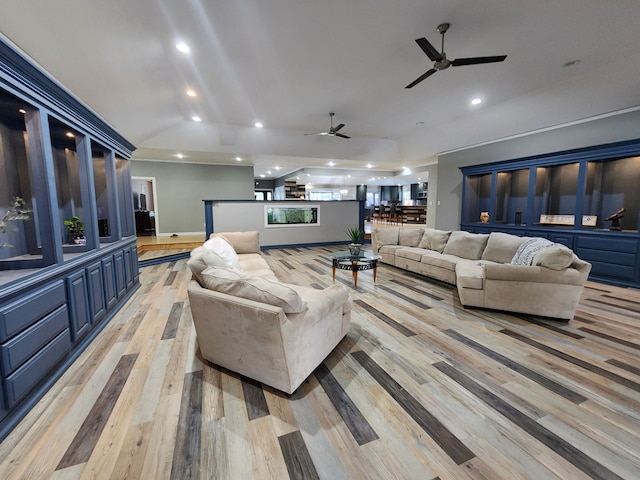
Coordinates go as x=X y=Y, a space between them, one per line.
x=201 y=258
x=501 y=247
x=258 y=289
x=433 y=239
x=223 y=248
x=529 y=249
x=555 y=257
x=410 y=237
x=386 y=236
x=466 y=245
x=242 y=242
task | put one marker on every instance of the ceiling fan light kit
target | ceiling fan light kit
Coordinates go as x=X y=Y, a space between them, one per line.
x=440 y=60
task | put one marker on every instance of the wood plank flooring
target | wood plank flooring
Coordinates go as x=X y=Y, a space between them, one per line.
x=420 y=388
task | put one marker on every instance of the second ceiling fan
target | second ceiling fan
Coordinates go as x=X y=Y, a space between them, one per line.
x=441 y=62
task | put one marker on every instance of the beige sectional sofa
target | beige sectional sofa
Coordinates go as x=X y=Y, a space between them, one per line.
x=497 y=270
x=249 y=322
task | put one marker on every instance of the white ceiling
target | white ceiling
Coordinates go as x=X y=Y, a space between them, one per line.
x=288 y=63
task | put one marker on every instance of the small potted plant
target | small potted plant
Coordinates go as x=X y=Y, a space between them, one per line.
x=355 y=235
x=76 y=230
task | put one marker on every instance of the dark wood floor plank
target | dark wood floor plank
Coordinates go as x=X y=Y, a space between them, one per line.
x=407 y=332
x=567 y=451
x=171 y=327
x=254 y=398
x=449 y=443
x=521 y=369
x=170 y=279
x=357 y=424
x=611 y=338
x=85 y=440
x=296 y=457
x=625 y=366
x=186 y=457
x=576 y=361
x=406 y=298
x=419 y=287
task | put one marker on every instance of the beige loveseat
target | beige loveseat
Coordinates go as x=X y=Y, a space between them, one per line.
x=249 y=322
x=498 y=270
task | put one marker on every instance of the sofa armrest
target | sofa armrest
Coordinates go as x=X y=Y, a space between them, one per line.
x=324 y=301
x=525 y=273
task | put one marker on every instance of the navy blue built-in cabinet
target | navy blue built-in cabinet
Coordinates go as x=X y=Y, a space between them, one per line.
x=58 y=160
x=567 y=198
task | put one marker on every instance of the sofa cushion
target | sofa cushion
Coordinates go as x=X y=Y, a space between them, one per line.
x=466 y=245
x=410 y=237
x=258 y=289
x=223 y=248
x=433 y=239
x=201 y=258
x=413 y=253
x=529 y=249
x=501 y=247
x=242 y=242
x=448 y=262
x=386 y=236
x=555 y=257
x=470 y=275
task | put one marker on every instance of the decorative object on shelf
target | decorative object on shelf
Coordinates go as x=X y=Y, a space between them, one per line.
x=16 y=212
x=518 y=219
x=355 y=235
x=76 y=230
x=484 y=217
x=614 y=218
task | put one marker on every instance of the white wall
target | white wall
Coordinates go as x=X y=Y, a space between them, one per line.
x=335 y=219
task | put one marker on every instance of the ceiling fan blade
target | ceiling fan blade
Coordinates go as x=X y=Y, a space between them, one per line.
x=334 y=130
x=477 y=60
x=317 y=133
x=341 y=135
x=421 y=78
x=429 y=49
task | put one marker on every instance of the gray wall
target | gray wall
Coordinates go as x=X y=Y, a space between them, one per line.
x=181 y=187
x=449 y=178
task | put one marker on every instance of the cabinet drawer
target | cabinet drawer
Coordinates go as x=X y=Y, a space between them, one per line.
x=21 y=347
x=29 y=375
x=16 y=316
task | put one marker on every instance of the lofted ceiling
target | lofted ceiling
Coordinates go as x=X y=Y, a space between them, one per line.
x=288 y=63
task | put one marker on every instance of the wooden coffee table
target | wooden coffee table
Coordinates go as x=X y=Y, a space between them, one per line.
x=346 y=261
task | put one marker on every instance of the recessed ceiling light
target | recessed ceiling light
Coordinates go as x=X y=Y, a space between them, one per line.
x=183 y=47
x=196 y=118
x=238 y=159
x=269 y=172
x=262 y=175
x=369 y=165
x=70 y=135
x=476 y=101
x=22 y=110
x=179 y=155
x=191 y=93
x=258 y=125
x=331 y=164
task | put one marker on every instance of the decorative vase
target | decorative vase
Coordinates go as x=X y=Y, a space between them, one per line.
x=484 y=217
x=354 y=249
x=80 y=240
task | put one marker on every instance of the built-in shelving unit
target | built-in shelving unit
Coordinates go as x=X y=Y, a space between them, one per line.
x=566 y=197
x=59 y=160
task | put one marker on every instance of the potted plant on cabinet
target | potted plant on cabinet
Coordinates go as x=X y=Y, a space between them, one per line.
x=76 y=230
x=355 y=235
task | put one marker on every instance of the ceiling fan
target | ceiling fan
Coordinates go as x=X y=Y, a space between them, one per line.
x=440 y=58
x=333 y=132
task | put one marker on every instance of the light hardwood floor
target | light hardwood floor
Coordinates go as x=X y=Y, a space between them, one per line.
x=421 y=388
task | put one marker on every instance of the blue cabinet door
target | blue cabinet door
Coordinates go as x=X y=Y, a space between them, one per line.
x=78 y=296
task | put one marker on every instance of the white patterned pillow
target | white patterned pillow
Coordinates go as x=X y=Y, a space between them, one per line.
x=529 y=249
x=223 y=248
